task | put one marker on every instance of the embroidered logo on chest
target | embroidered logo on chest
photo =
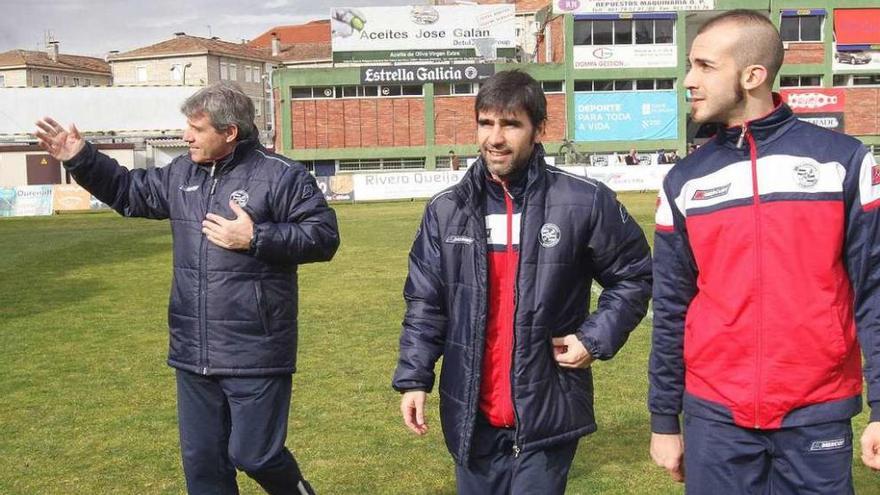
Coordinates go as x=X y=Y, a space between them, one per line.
x=807 y=175
x=240 y=197
x=550 y=235
x=715 y=192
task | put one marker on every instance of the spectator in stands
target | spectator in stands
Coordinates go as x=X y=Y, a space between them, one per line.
x=632 y=158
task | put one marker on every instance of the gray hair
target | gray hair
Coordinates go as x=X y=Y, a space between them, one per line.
x=226 y=105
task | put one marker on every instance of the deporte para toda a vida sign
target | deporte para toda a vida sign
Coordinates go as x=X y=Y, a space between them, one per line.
x=419 y=74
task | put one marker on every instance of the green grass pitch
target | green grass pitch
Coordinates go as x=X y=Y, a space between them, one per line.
x=87 y=402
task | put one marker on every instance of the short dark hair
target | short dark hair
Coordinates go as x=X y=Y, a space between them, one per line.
x=512 y=90
x=225 y=104
x=758 y=44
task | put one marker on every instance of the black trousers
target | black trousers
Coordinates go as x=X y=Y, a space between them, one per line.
x=236 y=422
x=722 y=458
x=494 y=470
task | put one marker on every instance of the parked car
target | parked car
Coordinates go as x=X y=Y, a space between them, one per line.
x=854 y=58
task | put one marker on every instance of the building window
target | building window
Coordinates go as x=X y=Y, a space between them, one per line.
x=377 y=164
x=233 y=72
x=2 y=81
x=224 y=71
x=300 y=93
x=625 y=85
x=801 y=27
x=800 y=81
x=623 y=31
x=446 y=89
x=257 y=76
x=258 y=108
x=553 y=86
x=88 y=82
x=323 y=92
x=857 y=79
x=177 y=72
x=141 y=72
x=354 y=91
x=46 y=81
x=247 y=74
x=76 y=81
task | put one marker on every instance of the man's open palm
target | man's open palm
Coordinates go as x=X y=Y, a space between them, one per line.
x=60 y=143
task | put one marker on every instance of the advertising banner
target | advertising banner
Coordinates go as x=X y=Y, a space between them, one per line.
x=818 y=100
x=70 y=197
x=615 y=6
x=420 y=74
x=624 y=56
x=403 y=185
x=7 y=201
x=625 y=178
x=337 y=187
x=823 y=107
x=626 y=116
x=422 y=32
x=866 y=59
x=831 y=120
x=32 y=201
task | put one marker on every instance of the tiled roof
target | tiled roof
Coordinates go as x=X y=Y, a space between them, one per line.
x=304 y=52
x=194 y=45
x=312 y=32
x=30 y=58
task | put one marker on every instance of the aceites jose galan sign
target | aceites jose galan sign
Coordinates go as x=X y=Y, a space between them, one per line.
x=423 y=32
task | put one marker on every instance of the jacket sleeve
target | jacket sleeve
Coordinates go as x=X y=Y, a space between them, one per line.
x=132 y=193
x=675 y=285
x=424 y=324
x=304 y=227
x=622 y=265
x=862 y=198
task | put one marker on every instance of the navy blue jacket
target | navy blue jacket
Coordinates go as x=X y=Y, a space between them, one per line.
x=573 y=231
x=230 y=312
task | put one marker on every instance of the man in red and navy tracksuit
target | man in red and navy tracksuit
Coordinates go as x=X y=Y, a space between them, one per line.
x=766 y=280
x=499 y=284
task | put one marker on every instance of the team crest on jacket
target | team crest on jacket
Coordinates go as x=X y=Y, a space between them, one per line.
x=807 y=175
x=240 y=197
x=550 y=235
x=875 y=175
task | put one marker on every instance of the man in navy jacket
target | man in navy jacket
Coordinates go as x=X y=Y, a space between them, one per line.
x=499 y=284
x=242 y=220
x=766 y=281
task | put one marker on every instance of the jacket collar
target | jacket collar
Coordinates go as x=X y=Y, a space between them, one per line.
x=472 y=186
x=230 y=161
x=765 y=128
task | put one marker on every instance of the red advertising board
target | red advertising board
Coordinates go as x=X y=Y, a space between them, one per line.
x=814 y=100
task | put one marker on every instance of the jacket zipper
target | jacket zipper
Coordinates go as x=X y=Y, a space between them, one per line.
x=759 y=341
x=203 y=279
x=508 y=200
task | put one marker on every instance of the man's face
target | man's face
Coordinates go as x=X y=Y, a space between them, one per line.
x=714 y=77
x=206 y=143
x=506 y=140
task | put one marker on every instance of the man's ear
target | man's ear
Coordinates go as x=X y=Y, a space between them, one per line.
x=753 y=76
x=231 y=133
x=540 y=131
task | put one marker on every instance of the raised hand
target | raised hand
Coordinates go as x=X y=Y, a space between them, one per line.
x=61 y=144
